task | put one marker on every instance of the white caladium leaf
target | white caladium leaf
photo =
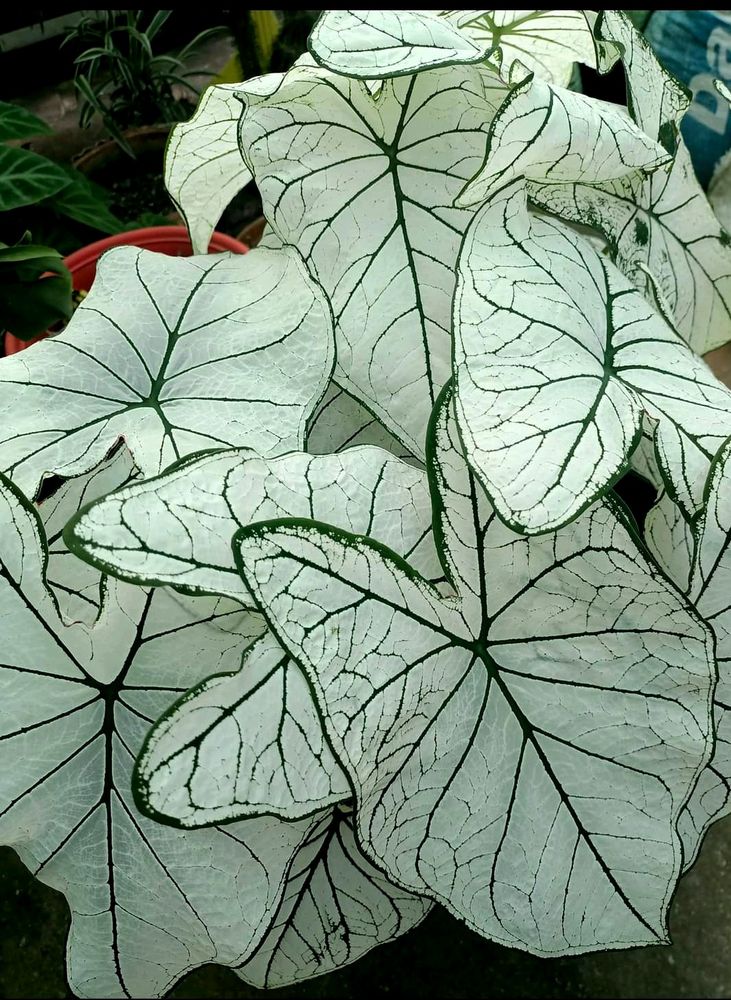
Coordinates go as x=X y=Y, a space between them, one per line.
x=365 y=190
x=250 y=742
x=569 y=682
x=660 y=227
x=371 y=44
x=148 y=902
x=173 y=354
x=204 y=168
x=557 y=357
x=385 y=43
x=699 y=561
x=548 y=134
x=656 y=99
x=177 y=529
x=544 y=42
x=336 y=908
x=78 y=586
x=241 y=744
x=341 y=422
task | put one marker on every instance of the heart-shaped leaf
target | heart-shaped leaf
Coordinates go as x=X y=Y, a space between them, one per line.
x=385 y=43
x=204 y=167
x=148 y=902
x=546 y=133
x=175 y=355
x=556 y=357
x=250 y=742
x=661 y=227
x=536 y=738
x=365 y=190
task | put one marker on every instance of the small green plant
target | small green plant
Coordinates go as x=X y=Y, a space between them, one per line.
x=35 y=285
x=120 y=78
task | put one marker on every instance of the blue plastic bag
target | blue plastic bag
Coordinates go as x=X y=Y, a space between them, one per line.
x=695 y=45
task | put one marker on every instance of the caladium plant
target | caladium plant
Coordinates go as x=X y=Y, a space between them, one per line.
x=321 y=604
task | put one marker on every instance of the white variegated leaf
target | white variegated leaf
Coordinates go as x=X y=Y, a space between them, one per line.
x=342 y=422
x=660 y=227
x=365 y=190
x=250 y=742
x=371 y=44
x=549 y=134
x=520 y=753
x=336 y=908
x=702 y=568
x=148 y=902
x=544 y=42
x=656 y=99
x=78 y=586
x=557 y=357
x=176 y=529
x=173 y=354
x=204 y=168
x=242 y=744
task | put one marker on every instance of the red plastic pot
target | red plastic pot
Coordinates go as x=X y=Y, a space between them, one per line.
x=172 y=240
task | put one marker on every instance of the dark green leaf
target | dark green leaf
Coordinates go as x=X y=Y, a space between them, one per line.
x=31 y=300
x=26 y=178
x=81 y=201
x=17 y=123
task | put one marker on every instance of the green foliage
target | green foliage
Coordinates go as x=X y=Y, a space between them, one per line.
x=30 y=302
x=31 y=299
x=120 y=78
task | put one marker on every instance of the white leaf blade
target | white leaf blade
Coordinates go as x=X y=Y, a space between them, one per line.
x=385 y=43
x=656 y=99
x=171 y=355
x=506 y=729
x=549 y=134
x=336 y=908
x=77 y=704
x=556 y=359
x=383 y=239
x=204 y=168
x=239 y=745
